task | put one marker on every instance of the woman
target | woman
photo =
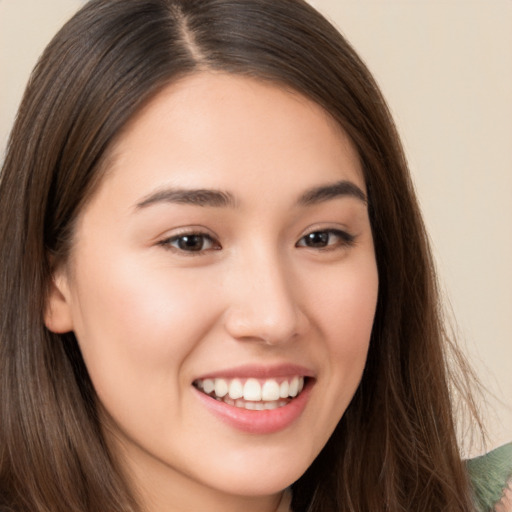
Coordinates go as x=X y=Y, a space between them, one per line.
x=217 y=292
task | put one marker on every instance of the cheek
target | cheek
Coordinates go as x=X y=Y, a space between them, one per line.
x=347 y=305
x=136 y=326
x=345 y=313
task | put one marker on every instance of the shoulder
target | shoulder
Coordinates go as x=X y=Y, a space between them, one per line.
x=491 y=479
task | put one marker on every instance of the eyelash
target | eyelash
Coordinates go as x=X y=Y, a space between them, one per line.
x=205 y=237
x=344 y=240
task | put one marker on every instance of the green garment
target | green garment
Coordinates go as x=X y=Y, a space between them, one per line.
x=489 y=475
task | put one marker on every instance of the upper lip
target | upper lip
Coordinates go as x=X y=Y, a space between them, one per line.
x=259 y=372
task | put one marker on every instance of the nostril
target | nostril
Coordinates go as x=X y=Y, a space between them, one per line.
x=261 y=324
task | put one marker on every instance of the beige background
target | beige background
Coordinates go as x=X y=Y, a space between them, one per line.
x=446 y=70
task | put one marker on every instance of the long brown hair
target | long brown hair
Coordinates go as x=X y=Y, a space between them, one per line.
x=395 y=448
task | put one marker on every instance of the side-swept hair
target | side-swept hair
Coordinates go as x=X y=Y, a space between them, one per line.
x=395 y=448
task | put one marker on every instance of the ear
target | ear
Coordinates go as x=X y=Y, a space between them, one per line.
x=57 y=315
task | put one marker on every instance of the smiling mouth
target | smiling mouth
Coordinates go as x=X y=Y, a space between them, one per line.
x=252 y=394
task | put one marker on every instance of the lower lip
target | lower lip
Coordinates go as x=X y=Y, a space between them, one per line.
x=258 y=422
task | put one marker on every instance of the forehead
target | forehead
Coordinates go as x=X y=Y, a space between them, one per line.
x=215 y=128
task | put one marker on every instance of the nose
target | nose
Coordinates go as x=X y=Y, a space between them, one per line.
x=264 y=301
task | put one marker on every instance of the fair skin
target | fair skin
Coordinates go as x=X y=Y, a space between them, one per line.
x=276 y=282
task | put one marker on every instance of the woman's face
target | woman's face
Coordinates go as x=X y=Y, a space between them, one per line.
x=225 y=260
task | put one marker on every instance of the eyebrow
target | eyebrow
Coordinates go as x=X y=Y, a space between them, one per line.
x=223 y=199
x=324 y=193
x=195 y=197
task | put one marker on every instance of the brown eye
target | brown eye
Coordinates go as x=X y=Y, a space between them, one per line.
x=191 y=242
x=326 y=239
x=317 y=239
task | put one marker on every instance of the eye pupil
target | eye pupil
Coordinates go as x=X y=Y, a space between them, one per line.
x=317 y=239
x=191 y=242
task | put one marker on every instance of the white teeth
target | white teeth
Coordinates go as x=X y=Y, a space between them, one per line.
x=270 y=391
x=254 y=406
x=252 y=390
x=294 y=387
x=236 y=390
x=221 y=387
x=283 y=389
x=208 y=386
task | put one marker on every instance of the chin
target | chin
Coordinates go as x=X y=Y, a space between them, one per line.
x=263 y=477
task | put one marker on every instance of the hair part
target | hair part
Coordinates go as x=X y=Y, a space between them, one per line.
x=395 y=447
